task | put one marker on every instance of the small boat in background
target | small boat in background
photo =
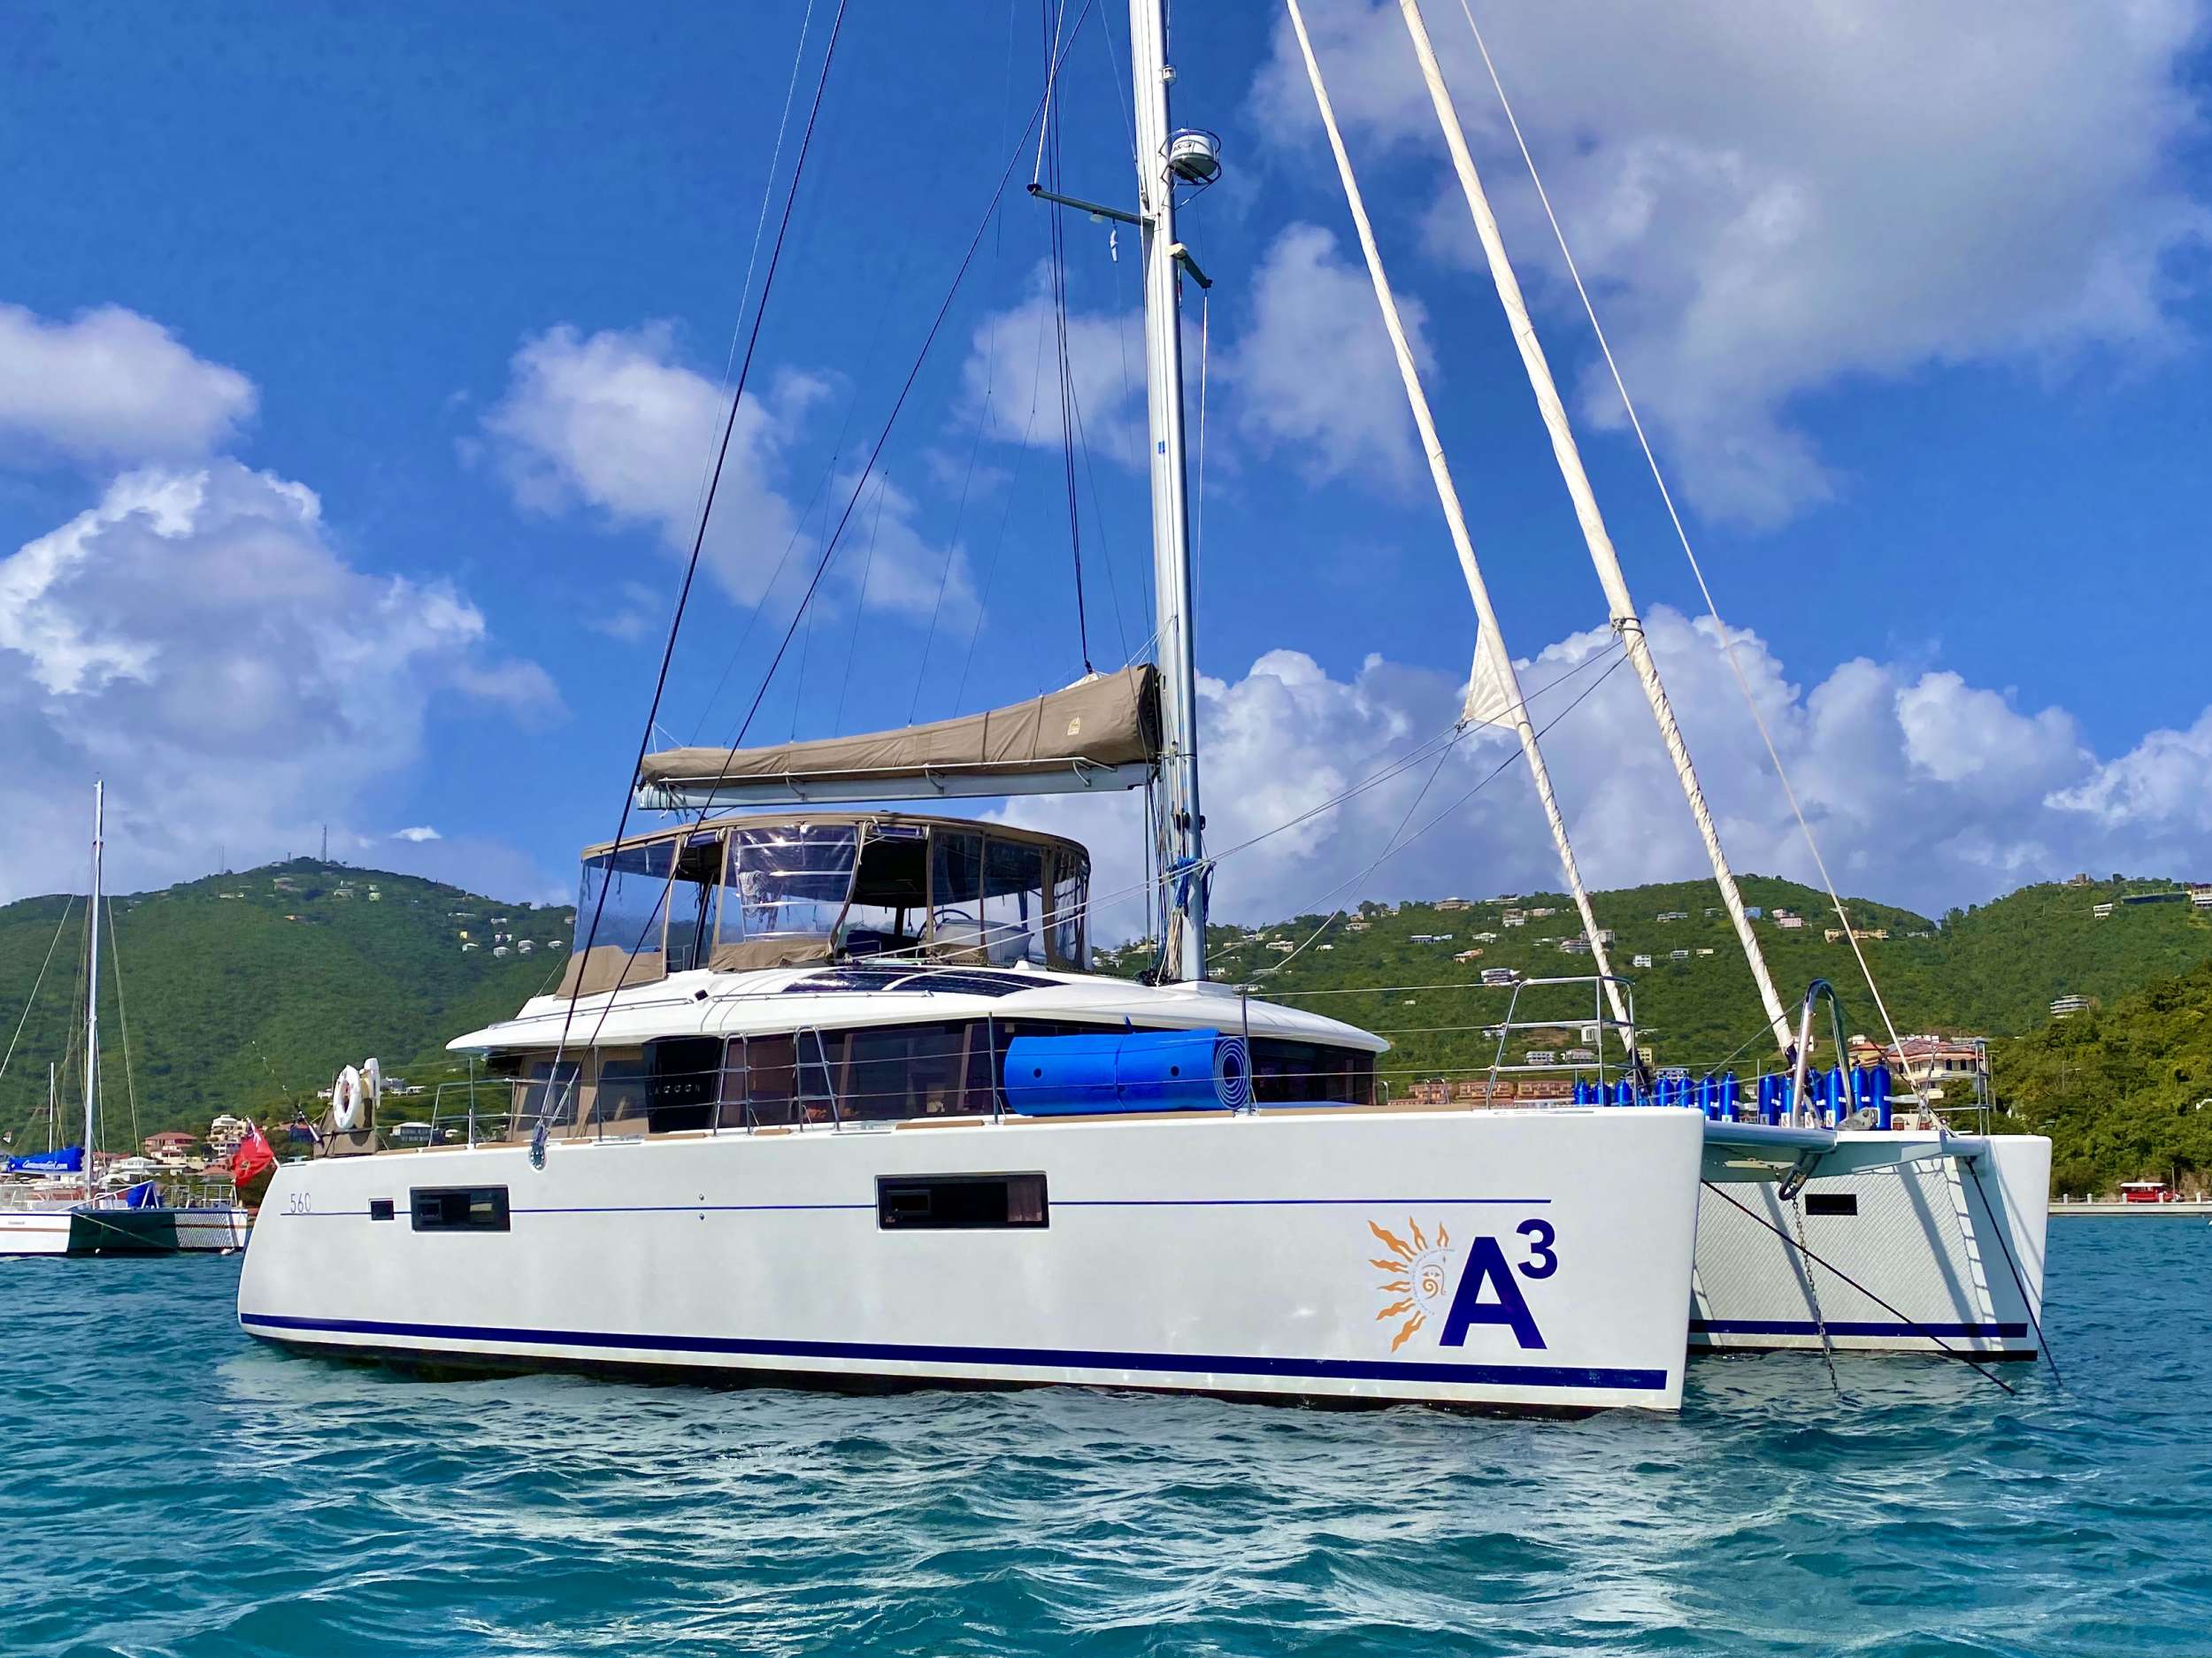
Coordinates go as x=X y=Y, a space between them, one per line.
x=55 y=1203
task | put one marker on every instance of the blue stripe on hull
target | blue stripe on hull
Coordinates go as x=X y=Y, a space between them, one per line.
x=1169 y=1363
x=1806 y=1327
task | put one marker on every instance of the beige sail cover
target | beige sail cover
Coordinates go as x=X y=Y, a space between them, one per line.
x=1107 y=720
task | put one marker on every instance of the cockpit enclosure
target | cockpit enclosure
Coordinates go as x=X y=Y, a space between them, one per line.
x=788 y=890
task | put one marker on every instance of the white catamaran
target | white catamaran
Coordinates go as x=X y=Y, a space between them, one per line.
x=828 y=1094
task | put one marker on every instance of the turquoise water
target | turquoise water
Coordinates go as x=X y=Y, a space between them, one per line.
x=170 y=1487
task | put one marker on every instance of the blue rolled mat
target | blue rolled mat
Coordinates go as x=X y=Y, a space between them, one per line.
x=1128 y=1071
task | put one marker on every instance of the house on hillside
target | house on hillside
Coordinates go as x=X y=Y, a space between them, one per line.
x=1453 y=903
x=1678 y=956
x=2101 y=912
x=1671 y=915
x=170 y=1146
x=1639 y=960
x=1753 y=912
x=1467 y=956
x=2066 y=1007
x=1788 y=923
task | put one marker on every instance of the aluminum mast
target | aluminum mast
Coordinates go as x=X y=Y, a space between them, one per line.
x=1183 y=871
x=1626 y=623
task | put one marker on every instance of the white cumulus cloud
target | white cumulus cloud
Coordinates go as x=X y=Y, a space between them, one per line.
x=196 y=638
x=1924 y=790
x=1312 y=374
x=109 y=386
x=1772 y=200
x=418 y=834
x=614 y=423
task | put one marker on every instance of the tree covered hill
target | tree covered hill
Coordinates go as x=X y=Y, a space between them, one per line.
x=1993 y=969
x=2124 y=1091
x=247 y=991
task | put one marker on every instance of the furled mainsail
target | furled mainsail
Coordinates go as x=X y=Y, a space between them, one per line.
x=1102 y=731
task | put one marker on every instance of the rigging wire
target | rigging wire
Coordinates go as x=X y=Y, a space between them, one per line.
x=906 y=389
x=122 y=1017
x=1389 y=846
x=698 y=542
x=860 y=608
x=1198 y=523
x=1916 y=1326
x=1682 y=535
x=1057 y=268
x=31 y=1000
x=767 y=195
x=829 y=549
x=1396 y=846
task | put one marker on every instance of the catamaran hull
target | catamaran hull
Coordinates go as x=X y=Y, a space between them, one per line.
x=1538 y=1261
x=110 y=1231
x=1926 y=1258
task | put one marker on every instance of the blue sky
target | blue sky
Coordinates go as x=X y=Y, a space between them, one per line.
x=1916 y=310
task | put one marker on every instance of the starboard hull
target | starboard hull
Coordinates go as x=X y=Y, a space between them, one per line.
x=1536 y=1261
x=1924 y=1258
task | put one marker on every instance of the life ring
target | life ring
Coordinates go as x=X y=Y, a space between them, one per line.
x=372 y=1087
x=345 y=1101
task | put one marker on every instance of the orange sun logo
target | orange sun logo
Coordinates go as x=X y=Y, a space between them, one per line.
x=1417 y=1275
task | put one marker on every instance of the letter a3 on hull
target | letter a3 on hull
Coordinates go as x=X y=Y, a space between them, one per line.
x=1533 y=1260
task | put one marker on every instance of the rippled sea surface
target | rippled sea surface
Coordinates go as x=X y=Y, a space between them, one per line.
x=169 y=1487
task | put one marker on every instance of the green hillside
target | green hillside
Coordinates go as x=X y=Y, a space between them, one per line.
x=2124 y=1091
x=1991 y=970
x=249 y=991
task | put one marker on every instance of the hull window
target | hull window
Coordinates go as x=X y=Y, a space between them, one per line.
x=960 y=1202
x=459 y=1207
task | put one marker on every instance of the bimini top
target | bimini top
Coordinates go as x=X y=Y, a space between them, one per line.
x=786 y=889
x=1102 y=731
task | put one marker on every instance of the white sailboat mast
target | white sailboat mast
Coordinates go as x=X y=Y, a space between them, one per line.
x=1181 y=824
x=1494 y=663
x=1625 y=621
x=92 y=981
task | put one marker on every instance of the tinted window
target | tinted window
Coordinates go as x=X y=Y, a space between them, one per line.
x=1831 y=1202
x=459 y=1207
x=960 y=1202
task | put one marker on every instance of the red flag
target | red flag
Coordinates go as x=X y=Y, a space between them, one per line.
x=252 y=1157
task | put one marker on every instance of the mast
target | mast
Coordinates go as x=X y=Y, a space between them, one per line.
x=1183 y=872
x=1494 y=690
x=1626 y=623
x=92 y=984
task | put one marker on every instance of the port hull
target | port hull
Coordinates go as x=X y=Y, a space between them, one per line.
x=1539 y=1260
x=1923 y=1258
